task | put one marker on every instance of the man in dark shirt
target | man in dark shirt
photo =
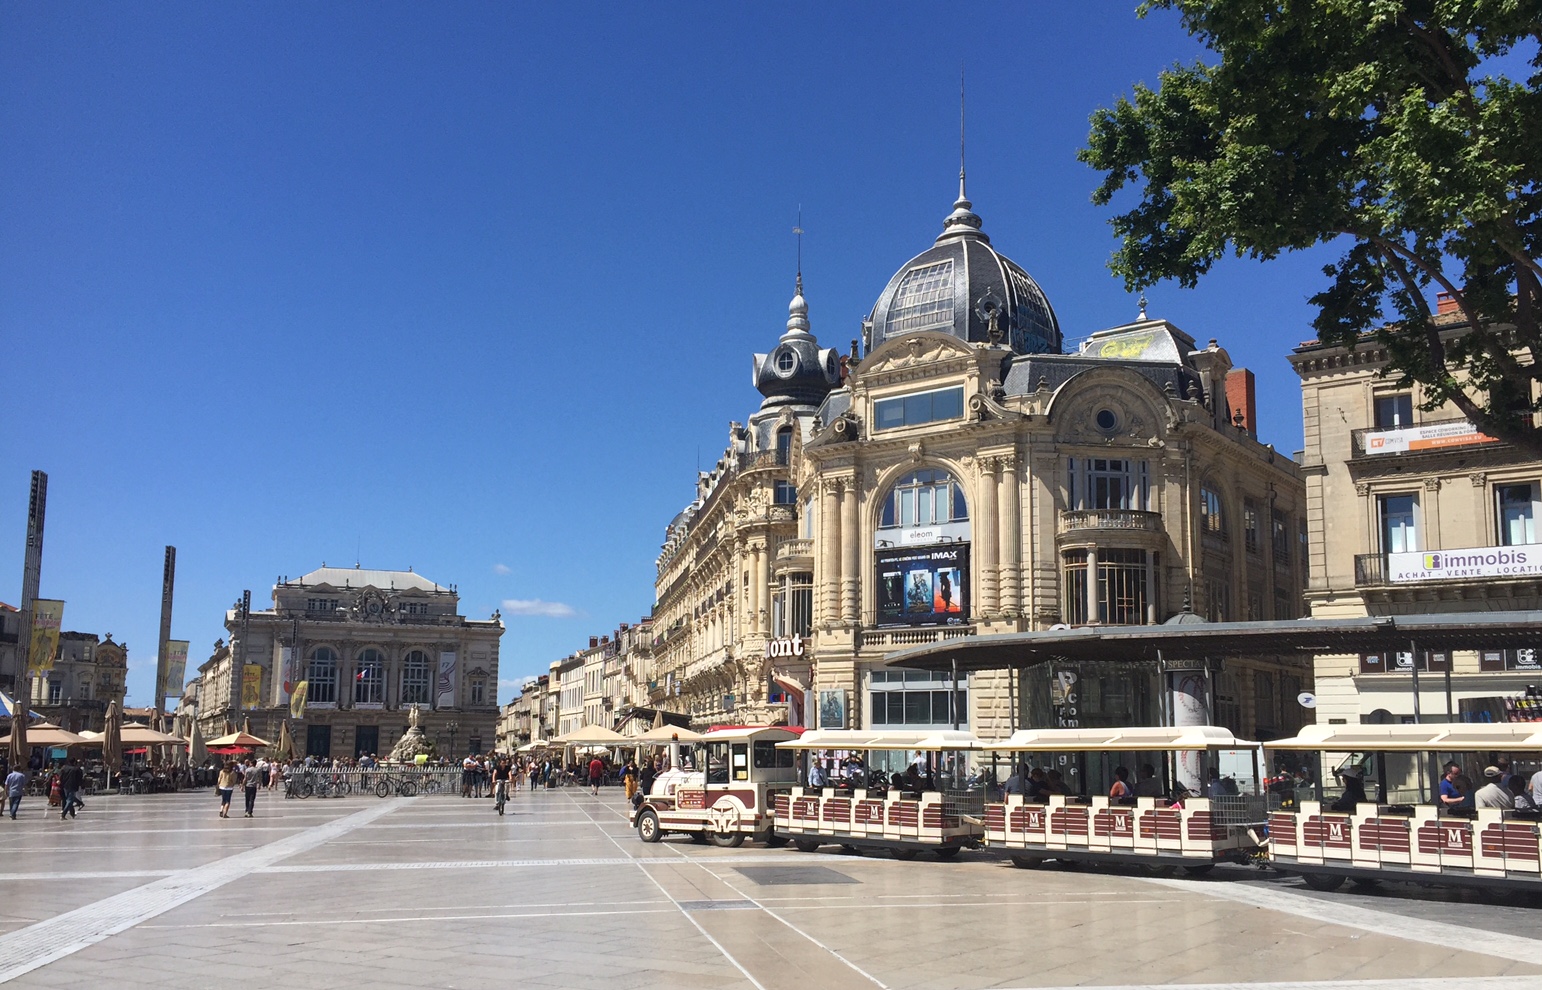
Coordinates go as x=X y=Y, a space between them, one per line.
x=70 y=781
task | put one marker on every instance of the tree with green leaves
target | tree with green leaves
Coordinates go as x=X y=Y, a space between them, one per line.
x=1409 y=132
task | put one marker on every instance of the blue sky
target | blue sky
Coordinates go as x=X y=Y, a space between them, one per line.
x=470 y=287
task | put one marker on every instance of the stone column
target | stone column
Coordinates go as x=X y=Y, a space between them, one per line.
x=1092 y=585
x=751 y=560
x=1011 y=539
x=763 y=603
x=829 y=553
x=987 y=541
x=851 y=547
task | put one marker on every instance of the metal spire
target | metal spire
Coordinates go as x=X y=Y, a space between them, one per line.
x=797 y=310
x=1142 y=300
x=962 y=197
x=798 y=230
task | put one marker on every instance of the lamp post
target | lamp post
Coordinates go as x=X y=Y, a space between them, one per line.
x=452 y=726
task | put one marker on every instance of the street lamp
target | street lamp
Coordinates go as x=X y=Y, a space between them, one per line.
x=451 y=727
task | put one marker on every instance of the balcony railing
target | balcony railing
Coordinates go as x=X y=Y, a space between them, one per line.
x=1122 y=519
x=1370 y=569
x=793 y=549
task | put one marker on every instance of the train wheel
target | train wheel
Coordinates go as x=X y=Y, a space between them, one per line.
x=1199 y=869
x=947 y=852
x=1027 y=862
x=700 y=838
x=728 y=840
x=902 y=853
x=1325 y=882
x=648 y=828
x=1162 y=870
x=806 y=845
x=775 y=840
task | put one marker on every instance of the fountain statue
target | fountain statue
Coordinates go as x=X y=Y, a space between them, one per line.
x=413 y=743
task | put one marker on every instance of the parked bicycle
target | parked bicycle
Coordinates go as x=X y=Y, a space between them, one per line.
x=400 y=786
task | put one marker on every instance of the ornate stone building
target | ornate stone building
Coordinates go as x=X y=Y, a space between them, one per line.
x=367 y=645
x=968 y=478
x=88 y=672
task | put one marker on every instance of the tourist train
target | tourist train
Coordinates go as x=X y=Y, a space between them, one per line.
x=1347 y=802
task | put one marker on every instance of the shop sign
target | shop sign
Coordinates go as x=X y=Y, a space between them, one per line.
x=784 y=646
x=1467 y=563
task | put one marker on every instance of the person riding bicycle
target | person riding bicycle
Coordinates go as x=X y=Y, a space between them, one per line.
x=502 y=773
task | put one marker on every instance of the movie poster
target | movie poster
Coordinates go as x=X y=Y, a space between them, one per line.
x=832 y=709
x=924 y=586
x=47 y=616
x=176 y=668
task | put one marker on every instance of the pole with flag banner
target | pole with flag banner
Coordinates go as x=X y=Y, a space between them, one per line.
x=47 y=616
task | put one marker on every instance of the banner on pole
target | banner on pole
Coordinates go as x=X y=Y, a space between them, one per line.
x=251 y=686
x=176 y=667
x=297 y=699
x=287 y=666
x=47 y=615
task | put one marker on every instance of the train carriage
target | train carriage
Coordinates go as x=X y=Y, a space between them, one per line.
x=868 y=803
x=1401 y=831
x=1152 y=831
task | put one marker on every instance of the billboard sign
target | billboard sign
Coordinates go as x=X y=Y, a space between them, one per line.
x=924 y=586
x=1466 y=563
x=1432 y=437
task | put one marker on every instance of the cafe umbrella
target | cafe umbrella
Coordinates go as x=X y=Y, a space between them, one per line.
x=112 y=740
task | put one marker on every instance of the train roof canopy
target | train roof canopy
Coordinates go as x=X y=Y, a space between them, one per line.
x=926 y=740
x=1129 y=739
x=1443 y=737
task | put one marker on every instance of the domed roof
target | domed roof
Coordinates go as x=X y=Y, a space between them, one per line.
x=958 y=285
x=797 y=371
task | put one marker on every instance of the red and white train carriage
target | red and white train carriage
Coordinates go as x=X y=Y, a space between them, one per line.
x=941 y=818
x=1148 y=831
x=1401 y=831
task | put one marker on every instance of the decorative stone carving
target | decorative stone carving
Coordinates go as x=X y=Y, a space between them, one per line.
x=1432 y=484
x=1362 y=488
x=1478 y=478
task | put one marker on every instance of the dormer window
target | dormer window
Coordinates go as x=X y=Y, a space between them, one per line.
x=923 y=301
x=786 y=361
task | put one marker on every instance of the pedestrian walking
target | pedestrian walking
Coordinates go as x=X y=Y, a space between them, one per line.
x=629 y=778
x=596 y=774
x=15 y=787
x=226 y=786
x=71 y=779
x=253 y=780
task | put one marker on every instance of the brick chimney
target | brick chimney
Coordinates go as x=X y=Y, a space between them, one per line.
x=1444 y=304
x=1241 y=400
x=593 y=642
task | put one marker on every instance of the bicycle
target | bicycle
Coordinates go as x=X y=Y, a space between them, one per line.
x=500 y=796
x=432 y=785
x=401 y=786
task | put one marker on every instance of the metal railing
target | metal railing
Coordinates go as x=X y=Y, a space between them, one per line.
x=1239 y=809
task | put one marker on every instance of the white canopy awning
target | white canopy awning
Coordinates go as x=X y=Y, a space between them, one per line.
x=927 y=740
x=1153 y=738
x=1443 y=736
x=591 y=735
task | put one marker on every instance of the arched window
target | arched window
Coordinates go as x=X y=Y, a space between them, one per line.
x=321 y=673
x=369 y=678
x=415 y=674
x=784 y=445
x=924 y=498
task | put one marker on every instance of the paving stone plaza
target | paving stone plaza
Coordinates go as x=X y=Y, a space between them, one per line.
x=155 y=891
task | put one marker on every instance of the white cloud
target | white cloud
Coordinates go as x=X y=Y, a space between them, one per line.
x=535 y=606
x=502 y=569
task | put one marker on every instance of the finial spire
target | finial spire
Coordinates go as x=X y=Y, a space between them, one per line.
x=961 y=105
x=1142 y=301
x=797 y=310
x=963 y=220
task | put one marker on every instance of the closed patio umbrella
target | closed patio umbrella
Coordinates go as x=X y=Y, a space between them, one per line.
x=197 y=750
x=112 y=740
x=285 y=744
x=20 y=752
